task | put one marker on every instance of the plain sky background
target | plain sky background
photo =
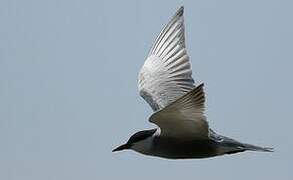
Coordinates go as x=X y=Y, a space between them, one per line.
x=68 y=86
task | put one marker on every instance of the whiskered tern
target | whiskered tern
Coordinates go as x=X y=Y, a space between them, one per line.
x=165 y=82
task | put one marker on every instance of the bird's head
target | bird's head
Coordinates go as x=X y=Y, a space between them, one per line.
x=135 y=138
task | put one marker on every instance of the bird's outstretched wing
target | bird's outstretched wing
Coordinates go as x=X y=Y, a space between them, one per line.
x=166 y=73
x=184 y=118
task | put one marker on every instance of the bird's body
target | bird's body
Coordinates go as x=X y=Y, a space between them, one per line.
x=172 y=148
x=165 y=82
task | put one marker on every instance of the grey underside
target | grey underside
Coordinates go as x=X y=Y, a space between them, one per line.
x=176 y=149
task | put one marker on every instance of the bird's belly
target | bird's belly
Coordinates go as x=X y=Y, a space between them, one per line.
x=176 y=149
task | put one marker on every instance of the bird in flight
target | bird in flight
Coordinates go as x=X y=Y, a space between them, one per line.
x=165 y=82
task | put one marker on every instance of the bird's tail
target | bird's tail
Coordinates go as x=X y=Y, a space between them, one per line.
x=251 y=147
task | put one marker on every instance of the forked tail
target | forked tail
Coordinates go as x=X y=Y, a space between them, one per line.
x=251 y=147
x=231 y=146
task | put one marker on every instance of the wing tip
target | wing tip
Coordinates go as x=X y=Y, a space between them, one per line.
x=200 y=86
x=180 y=11
x=198 y=94
x=177 y=16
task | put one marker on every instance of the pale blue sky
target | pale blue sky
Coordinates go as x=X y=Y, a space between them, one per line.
x=68 y=86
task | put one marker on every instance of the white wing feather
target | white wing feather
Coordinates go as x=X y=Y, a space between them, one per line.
x=166 y=73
